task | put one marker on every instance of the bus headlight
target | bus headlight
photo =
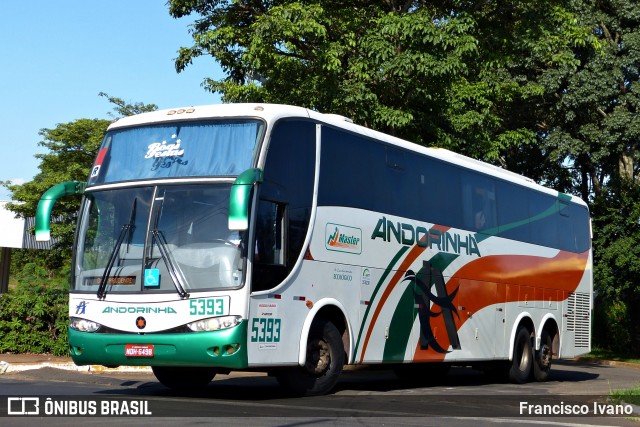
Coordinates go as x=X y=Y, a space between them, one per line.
x=83 y=325
x=214 y=323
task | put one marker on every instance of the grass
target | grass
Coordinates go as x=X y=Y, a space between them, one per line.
x=603 y=354
x=630 y=395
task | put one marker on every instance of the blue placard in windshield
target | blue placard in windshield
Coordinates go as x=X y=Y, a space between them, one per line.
x=151 y=277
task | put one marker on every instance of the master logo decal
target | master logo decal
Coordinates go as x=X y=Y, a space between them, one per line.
x=342 y=238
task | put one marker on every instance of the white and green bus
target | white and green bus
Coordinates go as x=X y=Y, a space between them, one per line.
x=275 y=238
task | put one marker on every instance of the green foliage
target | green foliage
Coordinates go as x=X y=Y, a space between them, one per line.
x=613 y=326
x=124 y=109
x=34 y=314
x=617 y=254
x=617 y=267
x=592 y=123
x=72 y=148
x=449 y=74
x=601 y=353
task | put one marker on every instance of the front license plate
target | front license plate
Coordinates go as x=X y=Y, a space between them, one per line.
x=138 y=350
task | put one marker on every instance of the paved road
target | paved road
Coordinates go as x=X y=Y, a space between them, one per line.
x=362 y=397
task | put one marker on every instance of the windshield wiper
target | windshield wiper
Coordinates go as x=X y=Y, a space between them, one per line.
x=127 y=229
x=176 y=274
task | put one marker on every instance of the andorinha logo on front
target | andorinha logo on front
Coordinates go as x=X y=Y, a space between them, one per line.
x=342 y=238
x=139 y=310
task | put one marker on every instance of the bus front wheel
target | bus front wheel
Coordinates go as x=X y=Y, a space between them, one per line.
x=522 y=357
x=324 y=362
x=183 y=378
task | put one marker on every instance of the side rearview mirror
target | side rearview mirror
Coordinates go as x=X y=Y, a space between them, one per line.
x=239 y=198
x=48 y=199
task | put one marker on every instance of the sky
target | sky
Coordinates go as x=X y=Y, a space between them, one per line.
x=56 y=56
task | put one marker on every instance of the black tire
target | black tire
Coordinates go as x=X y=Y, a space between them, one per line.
x=522 y=362
x=325 y=360
x=542 y=359
x=422 y=373
x=183 y=378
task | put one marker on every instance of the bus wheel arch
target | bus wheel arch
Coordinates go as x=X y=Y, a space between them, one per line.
x=323 y=361
x=334 y=312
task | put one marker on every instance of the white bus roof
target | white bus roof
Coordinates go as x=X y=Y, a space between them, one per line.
x=272 y=112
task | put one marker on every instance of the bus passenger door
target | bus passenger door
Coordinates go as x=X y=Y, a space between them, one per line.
x=270 y=249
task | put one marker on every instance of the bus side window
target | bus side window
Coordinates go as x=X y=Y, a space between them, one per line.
x=513 y=208
x=284 y=202
x=270 y=233
x=573 y=229
x=478 y=202
x=543 y=213
x=270 y=250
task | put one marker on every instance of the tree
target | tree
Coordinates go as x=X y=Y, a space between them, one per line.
x=448 y=74
x=72 y=147
x=124 y=109
x=616 y=246
x=593 y=125
x=589 y=146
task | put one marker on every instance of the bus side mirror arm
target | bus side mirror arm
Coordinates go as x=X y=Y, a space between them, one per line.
x=48 y=199
x=239 y=198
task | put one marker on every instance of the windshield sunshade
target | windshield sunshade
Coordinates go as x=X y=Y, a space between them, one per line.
x=215 y=148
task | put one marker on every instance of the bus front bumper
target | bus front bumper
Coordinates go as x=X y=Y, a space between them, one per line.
x=225 y=348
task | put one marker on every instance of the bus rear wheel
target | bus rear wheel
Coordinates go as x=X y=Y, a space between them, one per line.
x=324 y=362
x=183 y=378
x=542 y=360
x=522 y=357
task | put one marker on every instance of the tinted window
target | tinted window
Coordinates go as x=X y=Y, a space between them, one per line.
x=347 y=170
x=478 y=202
x=573 y=228
x=513 y=211
x=285 y=200
x=438 y=192
x=543 y=211
x=365 y=173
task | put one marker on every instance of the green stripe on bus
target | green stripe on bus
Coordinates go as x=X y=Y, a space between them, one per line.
x=388 y=270
x=400 y=327
x=405 y=315
x=555 y=207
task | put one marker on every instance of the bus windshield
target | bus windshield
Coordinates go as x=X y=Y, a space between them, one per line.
x=171 y=238
x=171 y=150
